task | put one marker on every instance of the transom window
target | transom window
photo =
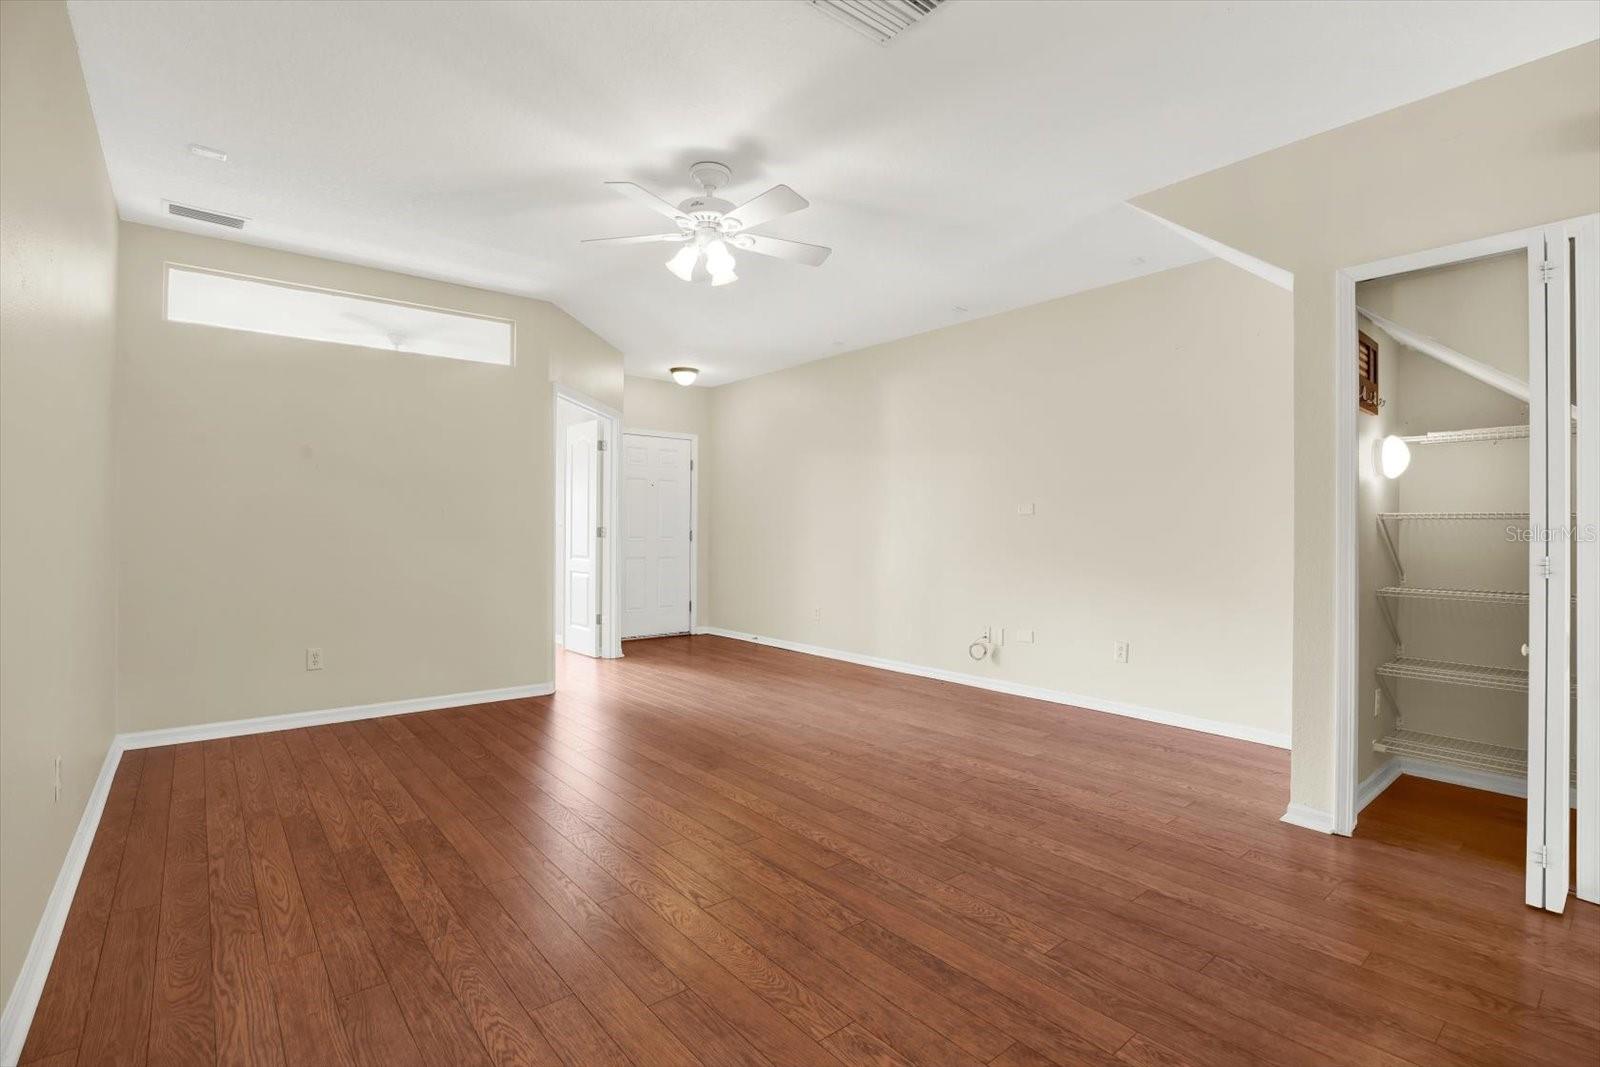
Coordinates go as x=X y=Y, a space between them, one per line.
x=234 y=302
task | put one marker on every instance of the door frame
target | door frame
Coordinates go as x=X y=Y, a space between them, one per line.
x=611 y=431
x=694 y=521
x=1346 y=735
x=1586 y=578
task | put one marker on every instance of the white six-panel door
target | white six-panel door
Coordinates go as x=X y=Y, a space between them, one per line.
x=657 y=545
x=580 y=570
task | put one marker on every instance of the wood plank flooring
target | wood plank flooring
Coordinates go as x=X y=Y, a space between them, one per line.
x=717 y=853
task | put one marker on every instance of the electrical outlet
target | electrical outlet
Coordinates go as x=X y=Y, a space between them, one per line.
x=1119 y=651
x=313 y=659
x=816 y=614
x=1025 y=509
x=1022 y=637
x=57 y=797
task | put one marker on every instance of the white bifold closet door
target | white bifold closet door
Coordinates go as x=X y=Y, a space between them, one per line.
x=657 y=536
x=1561 y=365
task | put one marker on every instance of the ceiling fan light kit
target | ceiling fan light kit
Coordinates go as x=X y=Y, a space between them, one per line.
x=710 y=228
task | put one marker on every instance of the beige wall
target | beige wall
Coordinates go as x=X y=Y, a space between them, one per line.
x=1374 y=494
x=1481 y=310
x=1510 y=151
x=651 y=404
x=276 y=494
x=58 y=232
x=869 y=502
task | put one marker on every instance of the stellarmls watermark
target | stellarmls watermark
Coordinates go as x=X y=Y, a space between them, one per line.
x=1586 y=533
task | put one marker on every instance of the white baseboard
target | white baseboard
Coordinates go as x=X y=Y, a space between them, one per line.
x=25 y=993
x=1505 y=784
x=1308 y=817
x=210 y=731
x=1376 y=783
x=999 y=685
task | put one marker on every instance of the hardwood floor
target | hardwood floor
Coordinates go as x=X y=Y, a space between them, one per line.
x=717 y=853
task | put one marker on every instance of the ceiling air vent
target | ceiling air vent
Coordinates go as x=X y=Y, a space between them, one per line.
x=880 y=20
x=233 y=222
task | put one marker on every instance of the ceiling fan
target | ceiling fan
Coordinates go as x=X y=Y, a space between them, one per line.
x=711 y=229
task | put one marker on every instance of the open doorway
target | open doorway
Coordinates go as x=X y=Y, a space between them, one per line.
x=1466 y=536
x=585 y=572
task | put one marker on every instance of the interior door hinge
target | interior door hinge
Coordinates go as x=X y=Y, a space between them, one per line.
x=599 y=531
x=1541 y=856
x=1547 y=271
x=1546 y=568
x=691 y=535
x=597 y=618
x=691 y=464
x=600 y=445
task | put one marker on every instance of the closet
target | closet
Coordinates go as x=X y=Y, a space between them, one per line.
x=1476 y=635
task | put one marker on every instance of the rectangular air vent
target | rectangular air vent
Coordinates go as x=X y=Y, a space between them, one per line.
x=233 y=222
x=880 y=20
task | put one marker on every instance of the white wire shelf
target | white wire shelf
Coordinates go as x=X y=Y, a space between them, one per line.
x=1451 y=516
x=1458 y=752
x=1456 y=437
x=1446 y=672
x=1470 y=755
x=1476 y=596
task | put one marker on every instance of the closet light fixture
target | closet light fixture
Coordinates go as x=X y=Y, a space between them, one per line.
x=684 y=375
x=1394 y=456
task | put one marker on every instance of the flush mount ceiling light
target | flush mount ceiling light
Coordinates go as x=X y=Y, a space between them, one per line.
x=684 y=375
x=711 y=229
x=1394 y=456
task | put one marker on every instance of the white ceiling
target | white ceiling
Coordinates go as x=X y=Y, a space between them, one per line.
x=980 y=161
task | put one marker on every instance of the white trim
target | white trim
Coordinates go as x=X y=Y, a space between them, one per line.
x=210 y=731
x=25 y=992
x=1283 y=279
x=610 y=506
x=1376 y=783
x=1586 y=266
x=1000 y=685
x=1346 y=610
x=694 y=523
x=1505 y=784
x=1308 y=817
x=1462 y=252
x=24 y=998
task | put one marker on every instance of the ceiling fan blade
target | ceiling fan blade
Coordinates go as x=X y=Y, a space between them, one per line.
x=642 y=239
x=648 y=199
x=776 y=202
x=780 y=248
